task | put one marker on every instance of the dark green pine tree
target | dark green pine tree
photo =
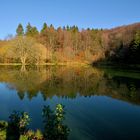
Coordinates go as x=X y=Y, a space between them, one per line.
x=68 y=28
x=31 y=31
x=28 y=29
x=44 y=27
x=20 y=30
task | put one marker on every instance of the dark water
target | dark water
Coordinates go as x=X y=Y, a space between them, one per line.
x=101 y=104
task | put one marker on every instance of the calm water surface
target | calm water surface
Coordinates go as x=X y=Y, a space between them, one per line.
x=101 y=104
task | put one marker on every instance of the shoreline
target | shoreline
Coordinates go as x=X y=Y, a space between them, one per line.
x=84 y=64
x=49 y=64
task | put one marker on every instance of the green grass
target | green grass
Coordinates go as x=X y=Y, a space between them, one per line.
x=10 y=64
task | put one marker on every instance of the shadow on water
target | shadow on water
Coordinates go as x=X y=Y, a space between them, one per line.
x=66 y=82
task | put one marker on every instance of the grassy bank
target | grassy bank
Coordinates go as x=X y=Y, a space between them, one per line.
x=126 y=66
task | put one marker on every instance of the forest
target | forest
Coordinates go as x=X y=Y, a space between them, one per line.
x=70 y=44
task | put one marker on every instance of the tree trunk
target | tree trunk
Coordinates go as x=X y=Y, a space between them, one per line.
x=23 y=60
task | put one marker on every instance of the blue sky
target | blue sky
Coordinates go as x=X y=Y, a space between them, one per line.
x=83 y=13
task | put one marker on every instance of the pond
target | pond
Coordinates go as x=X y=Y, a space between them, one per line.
x=100 y=104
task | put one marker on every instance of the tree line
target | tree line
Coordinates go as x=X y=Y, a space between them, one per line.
x=70 y=44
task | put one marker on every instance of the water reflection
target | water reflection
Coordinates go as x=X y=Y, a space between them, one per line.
x=67 y=82
x=89 y=115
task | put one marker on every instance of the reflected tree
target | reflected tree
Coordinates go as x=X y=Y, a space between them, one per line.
x=67 y=82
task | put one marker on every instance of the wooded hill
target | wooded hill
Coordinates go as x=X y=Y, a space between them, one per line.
x=69 y=44
x=122 y=44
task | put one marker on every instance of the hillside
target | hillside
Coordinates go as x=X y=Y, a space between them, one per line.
x=69 y=44
x=123 y=44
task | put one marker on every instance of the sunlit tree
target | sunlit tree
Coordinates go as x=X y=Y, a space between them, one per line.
x=23 y=48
